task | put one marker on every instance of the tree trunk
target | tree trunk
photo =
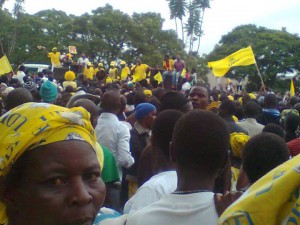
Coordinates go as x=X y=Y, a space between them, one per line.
x=199 y=37
x=182 y=30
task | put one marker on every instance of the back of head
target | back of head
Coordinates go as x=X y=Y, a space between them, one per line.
x=111 y=101
x=292 y=122
x=139 y=97
x=89 y=106
x=200 y=142
x=17 y=97
x=162 y=130
x=274 y=129
x=262 y=153
x=173 y=100
x=227 y=108
x=293 y=101
x=251 y=109
x=270 y=101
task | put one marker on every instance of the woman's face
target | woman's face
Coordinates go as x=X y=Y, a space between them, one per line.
x=61 y=185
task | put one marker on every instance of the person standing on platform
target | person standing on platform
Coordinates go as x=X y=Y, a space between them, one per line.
x=88 y=72
x=54 y=58
x=125 y=72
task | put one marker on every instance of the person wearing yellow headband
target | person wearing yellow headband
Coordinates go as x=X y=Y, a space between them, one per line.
x=125 y=72
x=50 y=167
x=113 y=71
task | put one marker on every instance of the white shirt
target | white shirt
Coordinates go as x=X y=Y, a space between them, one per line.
x=152 y=191
x=83 y=61
x=115 y=136
x=251 y=126
x=178 y=209
x=20 y=75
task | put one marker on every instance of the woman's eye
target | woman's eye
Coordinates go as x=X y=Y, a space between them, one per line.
x=92 y=177
x=56 y=181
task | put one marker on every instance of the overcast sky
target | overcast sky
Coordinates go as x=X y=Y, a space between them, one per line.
x=221 y=18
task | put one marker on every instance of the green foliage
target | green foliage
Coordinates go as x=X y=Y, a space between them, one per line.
x=104 y=35
x=275 y=52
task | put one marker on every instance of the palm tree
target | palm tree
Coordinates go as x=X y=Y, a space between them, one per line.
x=177 y=10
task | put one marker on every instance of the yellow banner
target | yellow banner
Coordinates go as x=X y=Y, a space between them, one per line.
x=274 y=199
x=242 y=57
x=292 y=89
x=5 y=66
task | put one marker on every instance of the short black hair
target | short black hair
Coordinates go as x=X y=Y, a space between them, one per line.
x=17 y=97
x=274 y=129
x=173 y=100
x=162 y=129
x=262 y=153
x=227 y=108
x=252 y=109
x=270 y=101
x=201 y=142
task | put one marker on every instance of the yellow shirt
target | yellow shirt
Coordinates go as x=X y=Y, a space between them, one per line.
x=112 y=73
x=125 y=72
x=88 y=73
x=139 y=72
x=95 y=71
x=171 y=64
x=54 y=58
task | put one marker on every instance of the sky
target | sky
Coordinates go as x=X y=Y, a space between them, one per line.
x=220 y=19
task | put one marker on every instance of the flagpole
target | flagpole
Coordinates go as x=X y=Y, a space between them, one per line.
x=262 y=81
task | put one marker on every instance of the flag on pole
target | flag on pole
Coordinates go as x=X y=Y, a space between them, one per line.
x=158 y=78
x=5 y=66
x=292 y=89
x=242 y=57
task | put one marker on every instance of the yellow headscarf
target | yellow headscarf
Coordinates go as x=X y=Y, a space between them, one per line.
x=237 y=143
x=35 y=124
x=273 y=199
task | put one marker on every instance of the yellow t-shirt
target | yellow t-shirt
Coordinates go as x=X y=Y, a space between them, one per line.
x=112 y=73
x=54 y=58
x=125 y=72
x=88 y=73
x=95 y=71
x=139 y=72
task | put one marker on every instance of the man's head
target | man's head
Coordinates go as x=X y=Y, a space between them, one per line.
x=22 y=68
x=262 y=153
x=138 y=61
x=251 y=109
x=145 y=113
x=17 y=97
x=200 y=144
x=111 y=102
x=54 y=49
x=199 y=97
x=90 y=107
x=227 y=108
x=270 y=101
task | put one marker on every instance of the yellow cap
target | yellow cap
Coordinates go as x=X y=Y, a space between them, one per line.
x=100 y=64
x=230 y=97
x=123 y=63
x=148 y=93
x=54 y=48
x=112 y=63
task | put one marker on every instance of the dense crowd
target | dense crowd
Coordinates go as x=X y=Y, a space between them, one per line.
x=169 y=154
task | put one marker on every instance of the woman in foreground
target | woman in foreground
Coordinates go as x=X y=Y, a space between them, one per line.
x=50 y=166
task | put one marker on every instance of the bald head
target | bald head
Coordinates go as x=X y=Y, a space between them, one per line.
x=111 y=102
x=89 y=106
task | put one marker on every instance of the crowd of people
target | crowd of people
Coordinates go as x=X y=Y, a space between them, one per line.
x=116 y=147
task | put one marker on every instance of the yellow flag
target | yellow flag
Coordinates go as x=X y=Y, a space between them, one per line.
x=273 y=199
x=158 y=78
x=292 y=89
x=5 y=66
x=242 y=57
